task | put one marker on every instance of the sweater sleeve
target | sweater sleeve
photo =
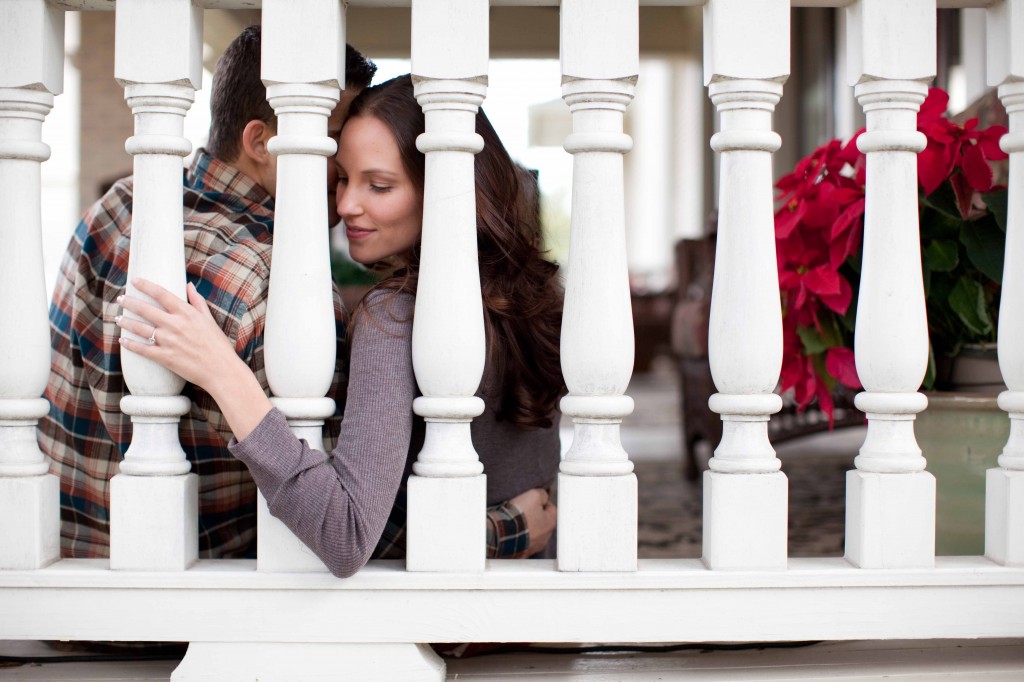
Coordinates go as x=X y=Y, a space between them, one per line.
x=338 y=504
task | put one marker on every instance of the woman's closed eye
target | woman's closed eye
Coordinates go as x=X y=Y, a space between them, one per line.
x=380 y=189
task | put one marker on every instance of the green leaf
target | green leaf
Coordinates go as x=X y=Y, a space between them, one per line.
x=968 y=301
x=985 y=244
x=813 y=343
x=929 y=376
x=996 y=203
x=943 y=200
x=942 y=255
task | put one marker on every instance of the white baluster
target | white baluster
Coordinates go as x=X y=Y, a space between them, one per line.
x=745 y=494
x=597 y=507
x=303 y=66
x=1004 y=492
x=32 y=50
x=154 y=500
x=447 y=494
x=890 y=508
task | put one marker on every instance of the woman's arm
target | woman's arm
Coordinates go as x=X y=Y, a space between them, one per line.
x=190 y=343
x=336 y=504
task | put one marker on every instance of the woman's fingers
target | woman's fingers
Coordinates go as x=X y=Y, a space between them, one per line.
x=196 y=300
x=140 y=328
x=165 y=298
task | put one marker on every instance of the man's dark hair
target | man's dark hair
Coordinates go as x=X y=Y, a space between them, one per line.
x=239 y=96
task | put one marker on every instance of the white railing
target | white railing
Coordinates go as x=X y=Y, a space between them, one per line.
x=243 y=621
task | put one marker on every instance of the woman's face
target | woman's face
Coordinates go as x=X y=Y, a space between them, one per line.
x=381 y=207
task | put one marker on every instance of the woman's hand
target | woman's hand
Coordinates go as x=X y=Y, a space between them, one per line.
x=541 y=515
x=184 y=338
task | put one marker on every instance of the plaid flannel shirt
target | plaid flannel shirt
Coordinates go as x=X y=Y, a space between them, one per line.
x=228 y=221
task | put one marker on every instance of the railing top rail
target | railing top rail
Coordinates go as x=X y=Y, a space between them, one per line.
x=256 y=4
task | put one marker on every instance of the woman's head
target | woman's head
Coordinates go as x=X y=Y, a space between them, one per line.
x=380 y=198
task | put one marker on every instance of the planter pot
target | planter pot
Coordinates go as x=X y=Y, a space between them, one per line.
x=961 y=435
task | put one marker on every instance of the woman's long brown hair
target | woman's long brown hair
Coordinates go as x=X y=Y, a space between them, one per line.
x=522 y=295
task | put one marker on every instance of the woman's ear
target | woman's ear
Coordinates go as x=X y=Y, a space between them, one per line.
x=254 y=142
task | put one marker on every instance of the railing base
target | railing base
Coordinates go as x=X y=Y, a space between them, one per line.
x=745 y=521
x=154 y=523
x=447 y=529
x=890 y=519
x=292 y=662
x=30 y=521
x=1004 y=520
x=597 y=523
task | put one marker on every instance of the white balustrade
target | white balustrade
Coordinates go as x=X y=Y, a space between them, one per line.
x=890 y=508
x=303 y=47
x=1004 y=490
x=154 y=500
x=32 y=72
x=447 y=493
x=746 y=61
x=597 y=489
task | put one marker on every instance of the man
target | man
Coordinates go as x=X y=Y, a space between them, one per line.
x=228 y=219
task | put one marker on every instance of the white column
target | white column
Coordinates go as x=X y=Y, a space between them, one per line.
x=746 y=60
x=597 y=510
x=890 y=499
x=154 y=500
x=303 y=69
x=32 y=52
x=447 y=493
x=1004 y=494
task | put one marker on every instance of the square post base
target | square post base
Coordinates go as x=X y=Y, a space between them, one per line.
x=746 y=519
x=277 y=548
x=1004 y=516
x=446 y=524
x=289 y=662
x=890 y=520
x=597 y=523
x=154 y=522
x=29 y=521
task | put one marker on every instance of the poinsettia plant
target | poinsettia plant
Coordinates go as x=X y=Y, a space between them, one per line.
x=819 y=230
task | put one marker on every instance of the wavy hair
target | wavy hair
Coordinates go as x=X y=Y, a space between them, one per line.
x=521 y=292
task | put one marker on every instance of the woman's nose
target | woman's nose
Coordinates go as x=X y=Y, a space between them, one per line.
x=347 y=203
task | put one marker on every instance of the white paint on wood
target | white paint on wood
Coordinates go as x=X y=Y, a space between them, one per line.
x=744 y=41
x=597 y=488
x=890 y=519
x=154 y=522
x=32 y=55
x=600 y=39
x=1004 y=516
x=1004 y=56
x=891 y=40
x=319 y=662
x=745 y=521
x=29 y=521
x=745 y=501
x=448 y=530
x=159 y=41
x=890 y=499
x=604 y=540
x=450 y=39
x=304 y=42
x=449 y=69
x=303 y=66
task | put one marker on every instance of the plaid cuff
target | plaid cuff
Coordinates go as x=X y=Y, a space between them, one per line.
x=508 y=535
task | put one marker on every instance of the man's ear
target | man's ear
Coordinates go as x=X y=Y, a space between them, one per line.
x=254 y=142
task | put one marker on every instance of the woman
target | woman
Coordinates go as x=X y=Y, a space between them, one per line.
x=340 y=505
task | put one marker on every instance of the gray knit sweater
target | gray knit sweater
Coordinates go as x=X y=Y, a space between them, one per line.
x=337 y=504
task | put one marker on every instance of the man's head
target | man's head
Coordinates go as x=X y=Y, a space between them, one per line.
x=241 y=120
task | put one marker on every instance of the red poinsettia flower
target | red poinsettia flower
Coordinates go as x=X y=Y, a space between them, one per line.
x=819 y=227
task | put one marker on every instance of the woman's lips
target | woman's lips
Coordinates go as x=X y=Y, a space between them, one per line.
x=356 y=233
